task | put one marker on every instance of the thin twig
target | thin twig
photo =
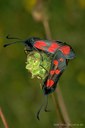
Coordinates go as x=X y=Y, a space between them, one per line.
x=3 y=119
x=60 y=104
x=59 y=114
x=60 y=101
x=47 y=28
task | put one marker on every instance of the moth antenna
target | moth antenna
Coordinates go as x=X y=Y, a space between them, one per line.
x=5 y=45
x=8 y=37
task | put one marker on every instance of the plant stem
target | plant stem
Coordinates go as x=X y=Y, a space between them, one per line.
x=59 y=94
x=57 y=109
x=3 y=119
x=60 y=105
x=47 y=28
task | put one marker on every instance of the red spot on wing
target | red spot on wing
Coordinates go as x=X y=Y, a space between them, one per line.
x=65 y=50
x=57 y=71
x=52 y=72
x=49 y=83
x=53 y=47
x=55 y=62
x=40 y=44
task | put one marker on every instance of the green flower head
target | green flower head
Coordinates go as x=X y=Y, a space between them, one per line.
x=36 y=65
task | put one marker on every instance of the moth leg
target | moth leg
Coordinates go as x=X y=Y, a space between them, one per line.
x=27 y=50
x=38 y=113
x=44 y=68
x=46 y=105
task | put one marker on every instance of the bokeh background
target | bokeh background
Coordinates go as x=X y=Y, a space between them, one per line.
x=21 y=96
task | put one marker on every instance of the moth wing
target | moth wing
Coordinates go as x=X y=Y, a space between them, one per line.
x=58 y=65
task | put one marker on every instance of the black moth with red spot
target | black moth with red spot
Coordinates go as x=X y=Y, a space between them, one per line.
x=60 y=53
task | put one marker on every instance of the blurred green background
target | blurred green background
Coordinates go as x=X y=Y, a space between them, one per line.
x=21 y=96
